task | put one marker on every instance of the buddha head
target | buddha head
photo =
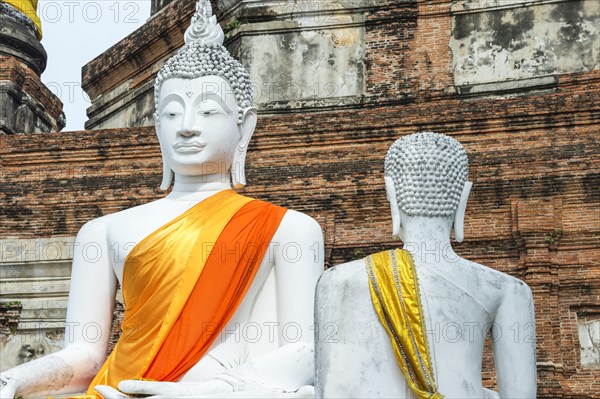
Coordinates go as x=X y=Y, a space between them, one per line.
x=203 y=100
x=426 y=176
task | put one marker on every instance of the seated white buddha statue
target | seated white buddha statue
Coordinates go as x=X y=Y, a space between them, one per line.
x=412 y=322
x=218 y=288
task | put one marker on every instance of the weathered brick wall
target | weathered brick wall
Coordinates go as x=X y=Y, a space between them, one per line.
x=26 y=105
x=534 y=211
x=389 y=34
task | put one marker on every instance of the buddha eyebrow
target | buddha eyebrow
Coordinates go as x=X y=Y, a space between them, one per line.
x=205 y=95
x=169 y=98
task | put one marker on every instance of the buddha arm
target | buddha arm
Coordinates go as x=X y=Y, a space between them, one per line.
x=89 y=316
x=514 y=350
x=299 y=261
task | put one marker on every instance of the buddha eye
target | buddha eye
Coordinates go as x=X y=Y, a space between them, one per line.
x=209 y=107
x=171 y=114
x=172 y=110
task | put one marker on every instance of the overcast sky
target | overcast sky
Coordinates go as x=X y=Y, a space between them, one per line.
x=77 y=31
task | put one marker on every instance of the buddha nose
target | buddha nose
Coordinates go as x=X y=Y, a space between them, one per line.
x=188 y=133
x=188 y=126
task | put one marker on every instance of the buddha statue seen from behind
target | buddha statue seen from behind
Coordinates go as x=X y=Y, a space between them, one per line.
x=216 y=303
x=412 y=323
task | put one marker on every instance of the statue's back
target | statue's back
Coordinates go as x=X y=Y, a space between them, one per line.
x=355 y=357
x=459 y=299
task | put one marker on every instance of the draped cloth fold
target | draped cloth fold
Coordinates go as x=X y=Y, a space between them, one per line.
x=29 y=8
x=394 y=289
x=184 y=282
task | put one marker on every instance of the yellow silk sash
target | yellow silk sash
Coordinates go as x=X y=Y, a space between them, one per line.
x=395 y=295
x=29 y=8
x=159 y=275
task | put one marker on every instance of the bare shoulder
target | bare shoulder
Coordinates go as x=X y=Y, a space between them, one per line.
x=347 y=277
x=94 y=226
x=492 y=280
x=341 y=290
x=297 y=225
x=139 y=209
x=296 y=218
x=107 y=222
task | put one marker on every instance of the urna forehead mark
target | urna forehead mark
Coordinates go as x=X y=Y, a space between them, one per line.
x=201 y=89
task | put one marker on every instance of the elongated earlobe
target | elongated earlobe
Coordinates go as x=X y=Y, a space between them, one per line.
x=167 y=177
x=393 y=200
x=238 y=167
x=459 y=215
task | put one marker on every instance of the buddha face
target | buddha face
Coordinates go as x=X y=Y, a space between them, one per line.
x=197 y=125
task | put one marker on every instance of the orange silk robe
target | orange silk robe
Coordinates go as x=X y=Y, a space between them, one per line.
x=184 y=282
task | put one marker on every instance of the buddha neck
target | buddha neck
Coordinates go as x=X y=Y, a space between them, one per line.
x=428 y=238
x=197 y=188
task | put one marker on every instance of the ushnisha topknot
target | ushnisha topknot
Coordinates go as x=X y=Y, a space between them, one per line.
x=429 y=171
x=203 y=54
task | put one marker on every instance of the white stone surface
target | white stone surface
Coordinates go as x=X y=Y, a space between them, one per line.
x=300 y=62
x=521 y=41
x=589 y=341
